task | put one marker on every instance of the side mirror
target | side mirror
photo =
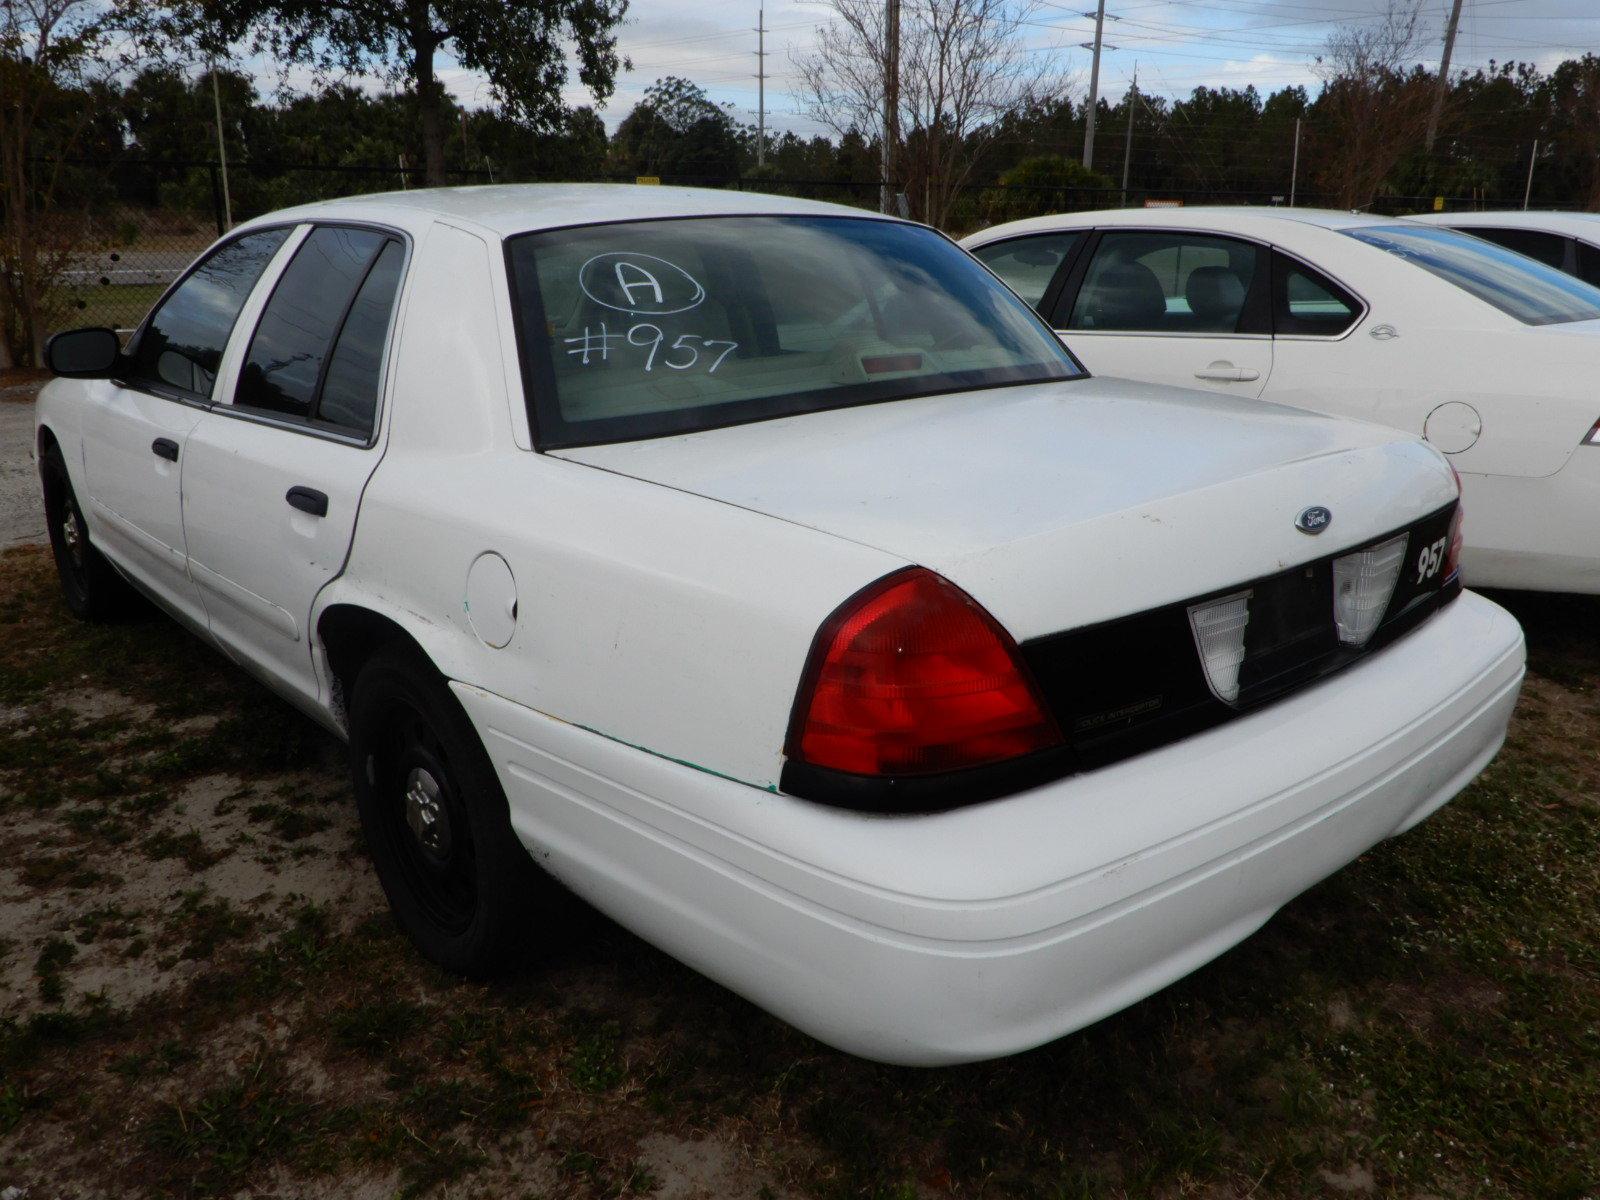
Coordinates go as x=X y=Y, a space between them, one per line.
x=83 y=353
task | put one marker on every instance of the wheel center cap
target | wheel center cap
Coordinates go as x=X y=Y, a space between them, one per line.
x=425 y=813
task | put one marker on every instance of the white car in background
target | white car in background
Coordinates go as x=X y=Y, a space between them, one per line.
x=1568 y=241
x=770 y=575
x=1493 y=357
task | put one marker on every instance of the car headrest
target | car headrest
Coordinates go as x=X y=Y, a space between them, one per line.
x=1126 y=296
x=1215 y=295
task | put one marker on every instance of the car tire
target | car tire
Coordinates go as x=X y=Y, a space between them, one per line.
x=90 y=586
x=437 y=825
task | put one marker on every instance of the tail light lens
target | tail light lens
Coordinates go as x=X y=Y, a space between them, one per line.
x=1452 y=562
x=911 y=677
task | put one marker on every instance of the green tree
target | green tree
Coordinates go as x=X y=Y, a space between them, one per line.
x=676 y=130
x=520 y=45
x=1039 y=185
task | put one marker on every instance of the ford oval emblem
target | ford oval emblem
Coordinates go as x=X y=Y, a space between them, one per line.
x=1313 y=520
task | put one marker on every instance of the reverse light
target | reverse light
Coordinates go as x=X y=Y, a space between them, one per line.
x=1363 y=582
x=1219 y=627
x=911 y=677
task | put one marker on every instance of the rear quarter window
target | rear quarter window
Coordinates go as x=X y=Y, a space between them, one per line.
x=1520 y=287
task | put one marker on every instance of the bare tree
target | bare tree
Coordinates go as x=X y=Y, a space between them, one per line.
x=1375 y=103
x=48 y=51
x=962 y=65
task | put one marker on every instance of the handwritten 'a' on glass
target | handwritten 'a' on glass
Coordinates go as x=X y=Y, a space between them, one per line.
x=641 y=285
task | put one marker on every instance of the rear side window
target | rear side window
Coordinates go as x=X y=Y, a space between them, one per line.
x=1308 y=302
x=1589 y=263
x=1028 y=264
x=1166 y=283
x=182 y=343
x=1548 y=248
x=323 y=329
x=349 y=397
x=1519 y=287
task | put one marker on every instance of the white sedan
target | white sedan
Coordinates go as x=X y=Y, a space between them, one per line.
x=1493 y=357
x=1568 y=241
x=769 y=575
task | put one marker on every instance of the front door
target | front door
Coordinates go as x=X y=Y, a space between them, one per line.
x=1173 y=307
x=136 y=435
x=272 y=480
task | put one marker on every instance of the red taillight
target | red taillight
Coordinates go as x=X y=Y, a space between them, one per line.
x=1452 y=562
x=911 y=676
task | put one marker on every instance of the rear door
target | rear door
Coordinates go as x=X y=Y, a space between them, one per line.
x=1170 y=306
x=272 y=480
x=135 y=439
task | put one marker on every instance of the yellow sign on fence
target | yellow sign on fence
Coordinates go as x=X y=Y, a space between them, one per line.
x=648 y=180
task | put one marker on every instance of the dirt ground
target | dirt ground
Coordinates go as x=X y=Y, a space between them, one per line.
x=21 y=516
x=201 y=993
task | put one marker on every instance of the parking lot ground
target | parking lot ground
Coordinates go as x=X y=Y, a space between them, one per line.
x=201 y=993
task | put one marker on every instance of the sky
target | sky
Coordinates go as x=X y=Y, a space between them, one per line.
x=1175 y=45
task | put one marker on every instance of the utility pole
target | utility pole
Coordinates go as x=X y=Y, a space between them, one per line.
x=222 y=150
x=761 y=87
x=1094 y=87
x=1127 y=146
x=1294 y=171
x=1444 y=75
x=1527 y=192
x=891 y=100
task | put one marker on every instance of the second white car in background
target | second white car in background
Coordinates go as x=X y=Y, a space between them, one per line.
x=1492 y=356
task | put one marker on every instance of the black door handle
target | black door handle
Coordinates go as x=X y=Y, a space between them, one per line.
x=165 y=448
x=308 y=500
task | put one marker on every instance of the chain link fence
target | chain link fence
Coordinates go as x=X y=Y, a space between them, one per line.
x=116 y=237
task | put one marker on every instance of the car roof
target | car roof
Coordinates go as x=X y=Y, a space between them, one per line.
x=1556 y=222
x=512 y=208
x=1236 y=217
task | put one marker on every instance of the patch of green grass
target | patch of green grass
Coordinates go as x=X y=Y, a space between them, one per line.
x=45 y=872
x=188 y=847
x=205 y=923
x=596 y=1062
x=236 y=1131
x=288 y=821
x=376 y=1027
x=54 y=956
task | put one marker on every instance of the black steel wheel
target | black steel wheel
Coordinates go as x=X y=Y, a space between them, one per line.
x=436 y=822
x=90 y=585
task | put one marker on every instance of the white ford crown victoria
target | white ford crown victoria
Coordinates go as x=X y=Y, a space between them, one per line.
x=768 y=574
x=1493 y=357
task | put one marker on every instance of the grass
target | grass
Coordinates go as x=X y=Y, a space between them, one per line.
x=1425 y=1022
x=117 y=305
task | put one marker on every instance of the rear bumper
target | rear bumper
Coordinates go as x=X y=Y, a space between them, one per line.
x=988 y=930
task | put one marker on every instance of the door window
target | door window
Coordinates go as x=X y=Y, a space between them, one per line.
x=1308 y=302
x=1166 y=283
x=182 y=343
x=1028 y=264
x=1548 y=248
x=318 y=348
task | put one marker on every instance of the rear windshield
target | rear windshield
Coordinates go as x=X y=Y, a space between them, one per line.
x=1530 y=291
x=642 y=329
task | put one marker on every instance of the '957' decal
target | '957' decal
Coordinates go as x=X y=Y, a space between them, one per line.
x=1430 y=560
